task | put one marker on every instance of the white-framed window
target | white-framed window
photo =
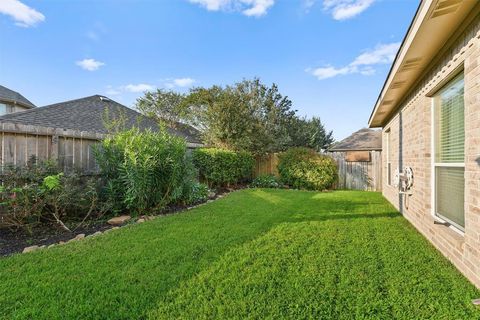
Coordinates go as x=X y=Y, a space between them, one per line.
x=388 y=156
x=449 y=152
x=3 y=109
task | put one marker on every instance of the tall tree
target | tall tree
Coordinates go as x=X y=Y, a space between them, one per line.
x=247 y=115
x=310 y=133
x=164 y=105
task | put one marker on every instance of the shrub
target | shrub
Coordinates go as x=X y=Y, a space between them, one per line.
x=198 y=193
x=38 y=192
x=220 y=167
x=265 y=181
x=303 y=168
x=144 y=170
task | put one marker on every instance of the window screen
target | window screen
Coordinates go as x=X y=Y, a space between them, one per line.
x=450 y=152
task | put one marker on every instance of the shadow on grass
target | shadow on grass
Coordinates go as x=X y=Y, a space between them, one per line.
x=349 y=216
x=125 y=273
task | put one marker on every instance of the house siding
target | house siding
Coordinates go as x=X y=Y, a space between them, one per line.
x=411 y=145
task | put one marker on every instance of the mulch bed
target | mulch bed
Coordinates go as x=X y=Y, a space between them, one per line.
x=15 y=240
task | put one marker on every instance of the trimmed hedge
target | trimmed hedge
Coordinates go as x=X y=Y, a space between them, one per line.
x=304 y=168
x=220 y=167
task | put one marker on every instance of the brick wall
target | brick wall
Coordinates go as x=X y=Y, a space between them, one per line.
x=410 y=144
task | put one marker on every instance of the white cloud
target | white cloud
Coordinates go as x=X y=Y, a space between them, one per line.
x=89 y=64
x=346 y=9
x=23 y=15
x=382 y=54
x=250 y=8
x=169 y=83
x=363 y=64
x=258 y=7
x=183 y=82
x=212 y=5
x=328 y=72
x=136 y=88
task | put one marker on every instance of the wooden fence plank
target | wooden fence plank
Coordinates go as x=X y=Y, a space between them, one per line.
x=365 y=175
x=73 y=149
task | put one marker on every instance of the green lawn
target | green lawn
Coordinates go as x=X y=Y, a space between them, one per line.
x=253 y=254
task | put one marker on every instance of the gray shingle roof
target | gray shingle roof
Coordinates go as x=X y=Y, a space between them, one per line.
x=89 y=114
x=15 y=97
x=364 y=139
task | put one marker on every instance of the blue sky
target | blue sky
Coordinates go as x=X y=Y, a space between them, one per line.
x=330 y=57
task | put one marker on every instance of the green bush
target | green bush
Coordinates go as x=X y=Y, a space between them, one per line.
x=198 y=193
x=38 y=192
x=144 y=169
x=303 y=168
x=220 y=167
x=265 y=181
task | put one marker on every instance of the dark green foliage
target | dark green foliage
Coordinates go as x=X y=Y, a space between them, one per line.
x=197 y=193
x=144 y=170
x=304 y=168
x=310 y=133
x=255 y=254
x=265 y=181
x=38 y=192
x=220 y=167
x=245 y=116
x=164 y=105
x=248 y=115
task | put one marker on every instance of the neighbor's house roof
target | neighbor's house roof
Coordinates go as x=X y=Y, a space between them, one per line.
x=362 y=140
x=13 y=97
x=89 y=114
x=436 y=22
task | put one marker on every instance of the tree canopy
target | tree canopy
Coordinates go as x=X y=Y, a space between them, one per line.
x=247 y=115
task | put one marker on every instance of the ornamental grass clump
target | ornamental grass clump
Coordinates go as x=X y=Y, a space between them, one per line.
x=303 y=168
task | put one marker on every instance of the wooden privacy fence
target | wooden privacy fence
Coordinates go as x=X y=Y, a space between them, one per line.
x=73 y=149
x=353 y=175
x=359 y=175
x=266 y=164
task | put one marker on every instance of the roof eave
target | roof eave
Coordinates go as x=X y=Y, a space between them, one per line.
x=15 y=102
x=415 y=53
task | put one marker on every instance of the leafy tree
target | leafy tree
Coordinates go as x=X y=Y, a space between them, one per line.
x=245 y=116
x=164 y=105
x=310 y=133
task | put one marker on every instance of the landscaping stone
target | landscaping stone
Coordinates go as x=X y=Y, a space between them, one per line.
x=140 y=220
x=117 y=221
x=30 y=249
x=79 y=236
x=476 y=302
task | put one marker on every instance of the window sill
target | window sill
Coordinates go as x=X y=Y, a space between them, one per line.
x=453 y=236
